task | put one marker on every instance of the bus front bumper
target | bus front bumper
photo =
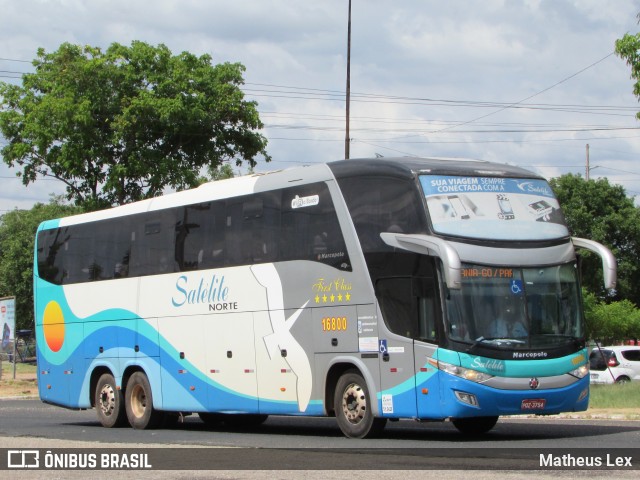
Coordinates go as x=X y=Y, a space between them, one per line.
x=463 y=398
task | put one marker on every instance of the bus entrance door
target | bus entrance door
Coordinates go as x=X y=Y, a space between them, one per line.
x=427 y=382
x=398 y=392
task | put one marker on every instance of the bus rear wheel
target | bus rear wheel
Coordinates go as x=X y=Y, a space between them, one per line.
x=352 y=406
x=474 y=425
x=109 y=402
x=139 y=403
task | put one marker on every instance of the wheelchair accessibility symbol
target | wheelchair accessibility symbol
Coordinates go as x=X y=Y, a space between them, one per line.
x=516 y=287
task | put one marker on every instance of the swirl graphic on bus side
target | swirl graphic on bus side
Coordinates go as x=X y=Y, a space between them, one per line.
x=53 y=322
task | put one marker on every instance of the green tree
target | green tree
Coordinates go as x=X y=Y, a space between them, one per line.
x=611 y=323
x=124 y=124
x=17 y=239
x=219 y=172
x=628 y=48
x=222 y=172
x=597 y=210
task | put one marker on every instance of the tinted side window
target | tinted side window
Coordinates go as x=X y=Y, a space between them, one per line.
x=51 y=254
x=382 y=204
x=631 y=355
x=409 y=306
x=310 y=227
x=200 y=232
x=112 y=247
x=261 y=227
x=87 y=252
x=598 y=359
x=298 y=223
x=153 y=244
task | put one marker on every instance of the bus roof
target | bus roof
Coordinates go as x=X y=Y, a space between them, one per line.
x=406 y=167
x=410 y=166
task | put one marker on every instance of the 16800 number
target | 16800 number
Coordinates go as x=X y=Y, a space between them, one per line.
x=332 y=324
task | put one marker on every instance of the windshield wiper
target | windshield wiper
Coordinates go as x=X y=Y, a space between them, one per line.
x=495 y=341
x=575 y=340
x=477 y=342
x=508 y=341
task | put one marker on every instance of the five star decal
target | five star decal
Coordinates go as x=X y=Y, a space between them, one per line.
x=332 y=298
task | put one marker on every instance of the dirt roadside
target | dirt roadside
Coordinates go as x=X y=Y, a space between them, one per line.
x=24 y=385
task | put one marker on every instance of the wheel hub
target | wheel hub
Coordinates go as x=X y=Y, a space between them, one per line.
x=107 y=400
x=138 y=401
x=354 y=403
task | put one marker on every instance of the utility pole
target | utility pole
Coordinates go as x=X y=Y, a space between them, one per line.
x=348 y=99
x=586 y=173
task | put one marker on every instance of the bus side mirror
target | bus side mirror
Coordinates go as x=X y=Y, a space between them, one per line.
x=434 y=247
x=609 y=265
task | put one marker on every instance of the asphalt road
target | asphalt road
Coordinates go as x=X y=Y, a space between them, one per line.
x=285 y=443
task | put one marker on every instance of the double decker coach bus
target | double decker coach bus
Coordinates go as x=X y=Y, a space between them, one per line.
x=369 y=290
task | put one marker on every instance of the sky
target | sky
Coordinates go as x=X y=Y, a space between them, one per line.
x=525 y=82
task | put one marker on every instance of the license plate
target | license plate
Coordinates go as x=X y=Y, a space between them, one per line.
x=533 y=404
x=594 y=376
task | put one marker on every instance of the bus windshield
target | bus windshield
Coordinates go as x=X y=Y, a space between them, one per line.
x=516 y=308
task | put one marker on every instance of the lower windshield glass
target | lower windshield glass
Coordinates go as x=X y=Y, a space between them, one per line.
x=510 y=308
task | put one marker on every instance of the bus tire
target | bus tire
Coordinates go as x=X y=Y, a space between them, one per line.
x=139 y=403
x=352 y=404
x=109 y=402
x=474 y=425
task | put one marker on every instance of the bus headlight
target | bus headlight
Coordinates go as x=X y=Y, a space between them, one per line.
x=580 y=372
x=466 y=373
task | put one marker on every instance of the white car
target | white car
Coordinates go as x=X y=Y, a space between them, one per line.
x=615 y=364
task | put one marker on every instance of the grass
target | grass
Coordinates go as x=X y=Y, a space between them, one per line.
x=24 y=383
x=21 y=368
x=619 y=395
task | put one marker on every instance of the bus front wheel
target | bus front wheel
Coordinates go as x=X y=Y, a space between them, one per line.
x=139 y=403
x=109 y=402
x=352 y=406
x=474 y=425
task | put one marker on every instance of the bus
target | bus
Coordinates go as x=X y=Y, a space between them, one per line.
x=368 y=290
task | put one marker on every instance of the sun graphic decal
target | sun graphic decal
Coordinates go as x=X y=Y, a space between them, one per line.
x=53 y=326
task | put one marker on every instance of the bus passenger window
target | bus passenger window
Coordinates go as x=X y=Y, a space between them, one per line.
x=154 y=250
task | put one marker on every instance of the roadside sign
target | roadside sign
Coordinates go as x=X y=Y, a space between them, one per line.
x=8 y=326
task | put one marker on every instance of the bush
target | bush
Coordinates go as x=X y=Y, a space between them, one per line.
x=611 y=323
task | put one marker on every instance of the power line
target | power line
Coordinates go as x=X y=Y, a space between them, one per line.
x=390 y=100
x=14 y=60
x=340 y=94
x=535 y=94
x=288 y=91
x=20 y=178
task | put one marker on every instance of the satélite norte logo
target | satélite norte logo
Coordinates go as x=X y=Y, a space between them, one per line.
x=213 y=292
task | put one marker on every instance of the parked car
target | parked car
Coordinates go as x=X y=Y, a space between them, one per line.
x=615 y=364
